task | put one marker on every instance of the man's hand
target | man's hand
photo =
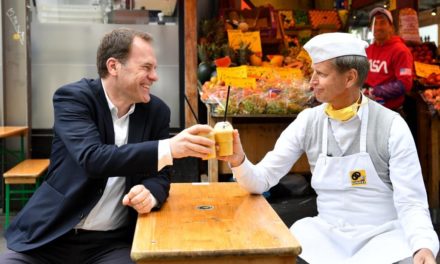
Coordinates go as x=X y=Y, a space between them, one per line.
x=189 y=143
x=424 y=256
x=140 y=199
x=237 y=158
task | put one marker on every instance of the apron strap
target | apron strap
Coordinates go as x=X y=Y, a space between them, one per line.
x=364 y=125
x=324 y=136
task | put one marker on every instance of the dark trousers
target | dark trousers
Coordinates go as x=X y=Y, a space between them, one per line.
x=77 y=247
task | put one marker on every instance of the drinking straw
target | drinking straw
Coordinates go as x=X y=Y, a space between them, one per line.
x=227 y=101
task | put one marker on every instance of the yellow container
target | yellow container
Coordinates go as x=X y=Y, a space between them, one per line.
x=224 y=138
x=211 y=136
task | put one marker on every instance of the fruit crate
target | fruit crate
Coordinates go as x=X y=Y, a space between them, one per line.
x=325 y=19
x=432 y=99
x=263 y=19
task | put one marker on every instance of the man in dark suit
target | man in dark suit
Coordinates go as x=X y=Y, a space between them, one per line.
x=109 y=161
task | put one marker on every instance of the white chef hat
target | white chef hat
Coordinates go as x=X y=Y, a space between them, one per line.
x=380 y=10
x=331 y=45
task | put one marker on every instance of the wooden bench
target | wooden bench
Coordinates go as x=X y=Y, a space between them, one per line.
x=24 y=173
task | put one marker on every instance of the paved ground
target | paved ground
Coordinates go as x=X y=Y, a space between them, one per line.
x=2 y=239
x=282 y=207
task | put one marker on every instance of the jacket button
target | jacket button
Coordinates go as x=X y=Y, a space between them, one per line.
x=81 y=216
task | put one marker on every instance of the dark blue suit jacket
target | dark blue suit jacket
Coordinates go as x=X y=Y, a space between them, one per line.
x=83 y=158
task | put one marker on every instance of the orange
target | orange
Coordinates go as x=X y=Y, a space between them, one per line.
x=255 y=60
x=277 y=60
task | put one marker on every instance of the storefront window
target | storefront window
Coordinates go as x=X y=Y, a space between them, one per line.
x=106 y=11
x=429 y=33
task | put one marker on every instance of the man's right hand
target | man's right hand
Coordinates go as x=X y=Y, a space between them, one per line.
x=238 y=155
x=188 y=143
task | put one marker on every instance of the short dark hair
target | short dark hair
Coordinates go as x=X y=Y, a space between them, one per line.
x=356 y=62
x=117 y=44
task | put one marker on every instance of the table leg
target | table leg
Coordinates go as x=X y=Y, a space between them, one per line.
x=7 y=207
x=2 y=160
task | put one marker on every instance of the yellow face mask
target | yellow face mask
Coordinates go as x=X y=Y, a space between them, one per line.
x=343 y=114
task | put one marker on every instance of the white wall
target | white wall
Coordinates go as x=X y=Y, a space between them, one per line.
x=66 y=52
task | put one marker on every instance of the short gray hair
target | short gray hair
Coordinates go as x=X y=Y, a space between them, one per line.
x=358 y=63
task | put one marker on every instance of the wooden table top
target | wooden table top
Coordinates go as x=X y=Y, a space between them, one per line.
x=212 y=220
x=10 y=131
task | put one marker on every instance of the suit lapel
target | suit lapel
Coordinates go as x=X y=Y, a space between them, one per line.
x=137 y=129
x=109 y=137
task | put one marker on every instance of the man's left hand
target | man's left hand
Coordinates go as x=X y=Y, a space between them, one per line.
x=140 y=198
x=424 y=256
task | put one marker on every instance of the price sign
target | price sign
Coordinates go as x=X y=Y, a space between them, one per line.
x=424 y=70
x=231 y=72
x=260 y=72
x=288 y=73
x=241 y=82
x=237 y=37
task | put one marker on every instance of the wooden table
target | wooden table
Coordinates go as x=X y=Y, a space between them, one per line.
x=6 y=132
x=213 y=223
x=12 y=131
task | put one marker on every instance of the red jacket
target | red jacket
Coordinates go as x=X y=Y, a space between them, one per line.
x=391 y=67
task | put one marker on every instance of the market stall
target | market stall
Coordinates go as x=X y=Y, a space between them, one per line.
x=427 y=96
x=254 y=72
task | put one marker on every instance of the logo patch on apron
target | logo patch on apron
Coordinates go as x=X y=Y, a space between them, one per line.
x=358 y=177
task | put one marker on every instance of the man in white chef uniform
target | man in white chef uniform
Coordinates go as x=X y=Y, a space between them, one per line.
x=372 y=203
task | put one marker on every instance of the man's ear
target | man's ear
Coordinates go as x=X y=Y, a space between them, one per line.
x=112 y=66
x=351 y=77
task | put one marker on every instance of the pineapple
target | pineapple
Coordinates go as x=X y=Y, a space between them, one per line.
x=243 y=53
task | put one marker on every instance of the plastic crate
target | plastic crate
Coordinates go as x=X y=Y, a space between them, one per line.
x=324 y=19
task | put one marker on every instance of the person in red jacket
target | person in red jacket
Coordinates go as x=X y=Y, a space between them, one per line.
x=391 y=62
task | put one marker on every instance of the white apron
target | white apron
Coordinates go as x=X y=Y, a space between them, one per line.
x=357 y=221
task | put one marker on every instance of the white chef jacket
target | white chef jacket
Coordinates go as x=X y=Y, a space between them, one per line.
x=409 y=195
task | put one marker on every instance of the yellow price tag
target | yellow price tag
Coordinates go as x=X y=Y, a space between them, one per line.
x=241 y=82
x=259 y=72
x=234 y=72
x=236 y=37
x=288 y=73
x=424 y=70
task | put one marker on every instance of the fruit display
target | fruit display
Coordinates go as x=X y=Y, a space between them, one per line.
x=262 y=81
x=324 y=19
x=270 y=96
x=432 y=79
x=424 y=52
x=297 y=57
x=432 y=97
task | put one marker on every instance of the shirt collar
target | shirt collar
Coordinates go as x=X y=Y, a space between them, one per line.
x=113 y=108
x=364 y=103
